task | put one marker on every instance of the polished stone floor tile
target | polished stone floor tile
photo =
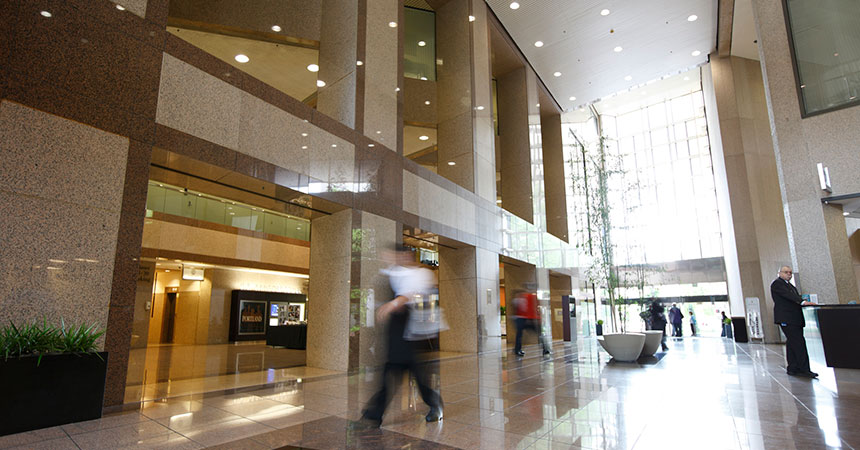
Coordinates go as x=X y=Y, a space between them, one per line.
x=704 y=393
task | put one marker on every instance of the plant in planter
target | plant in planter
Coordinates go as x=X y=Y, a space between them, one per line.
x=599 y=328
x=50 y=375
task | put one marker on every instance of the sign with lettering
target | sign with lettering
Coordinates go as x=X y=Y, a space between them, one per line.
x=252 y=314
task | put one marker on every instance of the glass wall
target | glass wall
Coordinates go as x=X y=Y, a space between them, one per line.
x=662 y=185
x=177 y=201
x=826 y=43
x=419 y=48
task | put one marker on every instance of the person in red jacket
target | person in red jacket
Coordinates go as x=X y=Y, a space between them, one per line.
x=526 y=317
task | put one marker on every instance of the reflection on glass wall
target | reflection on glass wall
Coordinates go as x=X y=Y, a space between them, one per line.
x=826 y=38
x=663 y=196
x=419 y=48
x=177 y=201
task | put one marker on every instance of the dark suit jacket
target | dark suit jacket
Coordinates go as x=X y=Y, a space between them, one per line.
x=786 y=303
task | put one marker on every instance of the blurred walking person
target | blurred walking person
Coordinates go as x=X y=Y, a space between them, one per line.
x=526 y=317
x=408 y=280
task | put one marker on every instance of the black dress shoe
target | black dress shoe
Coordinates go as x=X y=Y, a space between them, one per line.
x=434 y=415
x=520 y=353
x=809 y=374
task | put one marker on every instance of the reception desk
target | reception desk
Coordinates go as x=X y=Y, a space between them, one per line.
x=832 y=334
x=288 y=336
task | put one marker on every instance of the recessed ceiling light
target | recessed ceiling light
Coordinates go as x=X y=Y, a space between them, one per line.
x=686 y=78
x=692 y=18
x=628 y=78
x=333 y=145
x=572 y=99
x=392 y=24
x=378 y=132
x=371 y=145
x=617 y=49
x=313 y=67
x=242 y=58
x=538 y=44
x=423 y=78
x=359 y=63
x=581 y=109
x=276 y=28
x=537 y=105
x=471 y=18
x=696 y=53
x=845 y=213
x=421 y=43
x=452 y=163
x=498 y=202
x=556 y=74
x=304 y=147
x=480 y=108
x=120 y=7
x=45 y=14
x=515 y=5
x=320 y=83
x=426 y=102
x=802 y=86
x=423 y=138
x=304 y=135
x=836 y=54
x=604 y=12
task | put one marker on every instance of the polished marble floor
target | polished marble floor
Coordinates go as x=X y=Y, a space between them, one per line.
x=704 y=393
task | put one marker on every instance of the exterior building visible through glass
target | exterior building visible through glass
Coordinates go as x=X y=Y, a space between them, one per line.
x=825 y=39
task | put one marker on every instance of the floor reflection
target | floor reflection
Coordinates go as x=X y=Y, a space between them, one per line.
x=703 y=393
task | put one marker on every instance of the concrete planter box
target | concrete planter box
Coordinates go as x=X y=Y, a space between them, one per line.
x=624 y=347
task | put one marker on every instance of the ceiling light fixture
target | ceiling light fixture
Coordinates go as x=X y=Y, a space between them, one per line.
x=471 y=18
x=276 y=28
x=359 y=63
x=421 y=43
x=515 y=5
x=556 y=74
x=304 y=147
x=845 y=213
x=628 y=78
x=320 y=83
x=371 y=145
x=304 y=135
x=241 y=58
x=572 y=99
x=423 y=78
x=692 y=18
x=696 y=53
x=423 y=138
x=426 y=102
x=480 y=108
x=392 y=24
x=617 y=49
x=538 y=44
x=120 y=7
x=313 y=67
x=604 y=12
x=45 y=14
x=333 y=145
x=452 y=163
x=686 y=78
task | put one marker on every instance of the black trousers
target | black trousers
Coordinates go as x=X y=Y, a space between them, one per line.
x=795 y=349
x=391 y=377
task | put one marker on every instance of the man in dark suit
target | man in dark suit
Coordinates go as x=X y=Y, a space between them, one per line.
x=788 y=315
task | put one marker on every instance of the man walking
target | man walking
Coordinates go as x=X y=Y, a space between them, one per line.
x=788 y=315
x=675 y=316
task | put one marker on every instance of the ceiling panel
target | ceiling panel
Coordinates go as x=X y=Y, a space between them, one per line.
x=655 y=36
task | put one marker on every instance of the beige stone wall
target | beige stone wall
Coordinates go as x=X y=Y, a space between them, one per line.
x=61 y=188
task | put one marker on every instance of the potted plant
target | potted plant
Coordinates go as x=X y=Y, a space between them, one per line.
x=599 y=328
x=49 y=375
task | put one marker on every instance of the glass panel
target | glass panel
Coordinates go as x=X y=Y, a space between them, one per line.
x=275 y=224
x=419 y=48
x=826 y=51
x=213 y=211
x=155 y=198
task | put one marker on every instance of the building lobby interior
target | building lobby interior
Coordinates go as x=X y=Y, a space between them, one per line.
x=215 y=187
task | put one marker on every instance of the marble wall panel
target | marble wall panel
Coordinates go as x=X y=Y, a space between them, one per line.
x=800 y=143
x=329 y=292
x=515 y=164
x=199 y=104
x=415 y=94
x=136 y=7
x=273 y=135
x=59 y=230
x=459 y=297
x=382 y=73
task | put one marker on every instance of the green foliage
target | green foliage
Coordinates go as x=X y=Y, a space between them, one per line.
x=40 y=339
x=502 y=310
x=600 y=322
